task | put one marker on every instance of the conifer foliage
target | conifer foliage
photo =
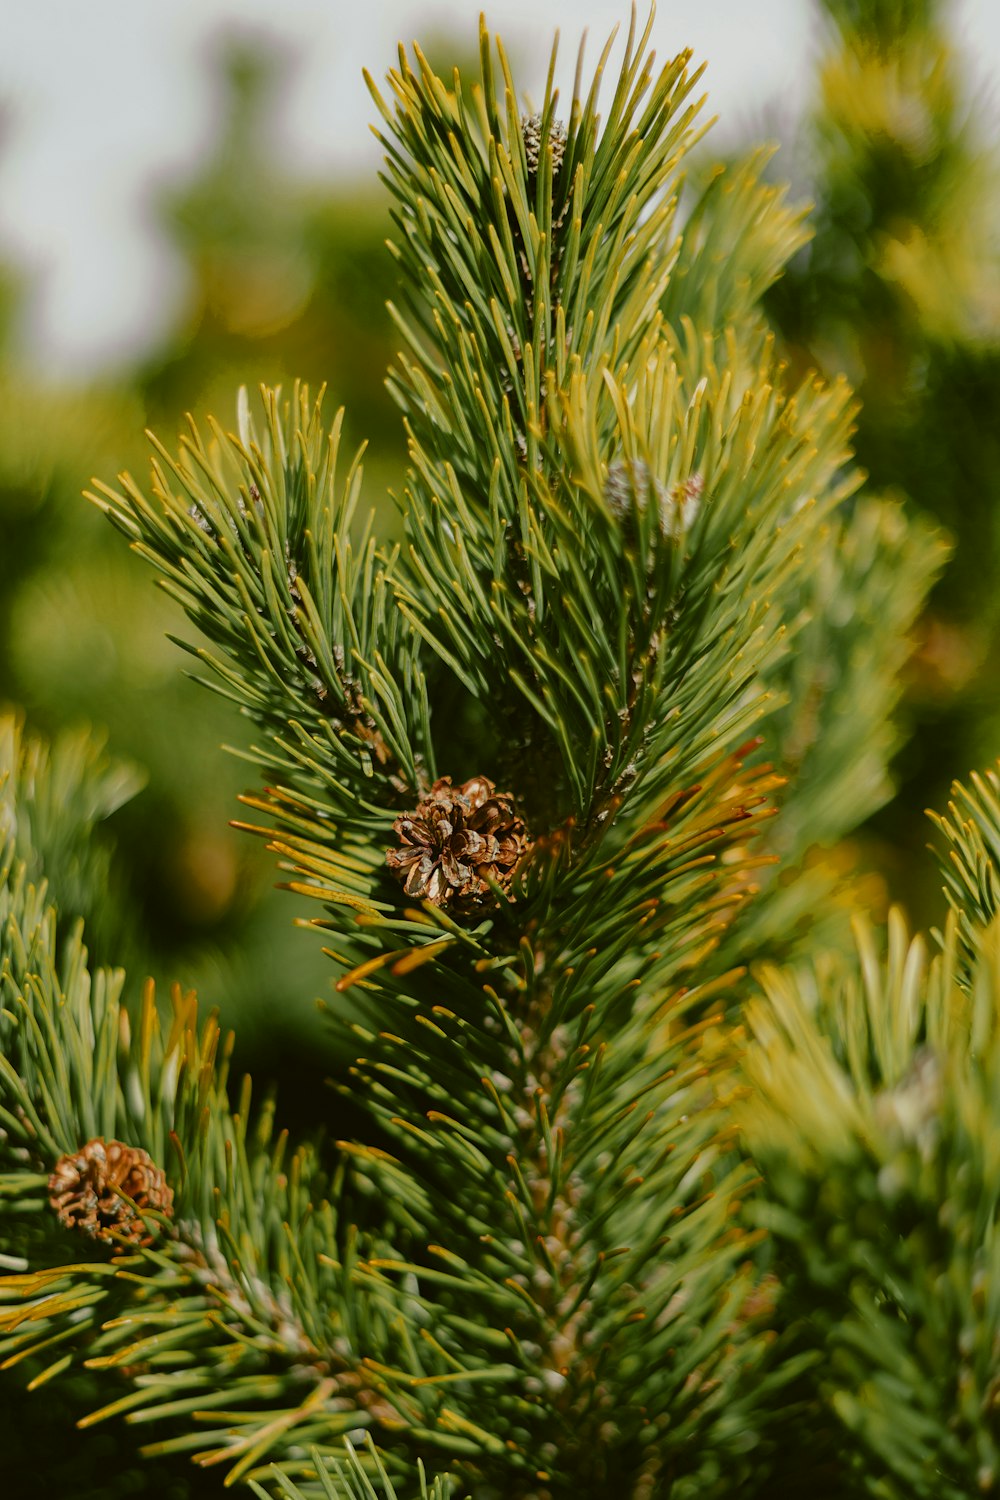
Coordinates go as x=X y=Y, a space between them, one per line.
x=622 y=1212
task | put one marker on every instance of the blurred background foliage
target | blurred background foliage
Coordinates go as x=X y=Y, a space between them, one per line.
x=285 y=279
x=899 y=287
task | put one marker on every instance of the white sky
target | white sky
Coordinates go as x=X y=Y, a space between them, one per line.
x=105 y=97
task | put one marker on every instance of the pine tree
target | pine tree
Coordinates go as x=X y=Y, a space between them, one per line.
x=649 y=1173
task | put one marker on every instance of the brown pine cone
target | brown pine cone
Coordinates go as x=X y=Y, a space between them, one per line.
x=456 y=842
x=85 y=1190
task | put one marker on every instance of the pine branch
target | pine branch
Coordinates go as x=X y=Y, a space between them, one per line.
x=871 y=1109
x=253 y=534
x=832 y=727
x=676 y=503
x=54 y=801
x=534 y=550
x=246 y=1314
x=971 y=859
x=739 y=234
x=351 y=1479
x=233 y=1303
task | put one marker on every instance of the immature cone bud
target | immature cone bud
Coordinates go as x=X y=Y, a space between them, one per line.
x=631 y=483
x=531 y=130
x=457 y=840
x=86 y=1191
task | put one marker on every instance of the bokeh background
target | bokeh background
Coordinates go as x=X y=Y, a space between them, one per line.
x=189 y=202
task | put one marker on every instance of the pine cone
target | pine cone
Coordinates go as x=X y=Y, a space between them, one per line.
x=457 y=840
x=531 y=130
x=85 y=1190
x=631 y=483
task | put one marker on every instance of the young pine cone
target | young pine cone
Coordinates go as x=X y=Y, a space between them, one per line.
x=458 y=840
x=531 y=130
x=86 y=1191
